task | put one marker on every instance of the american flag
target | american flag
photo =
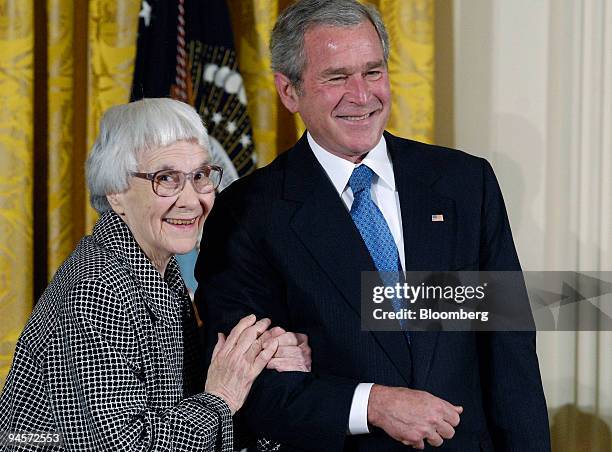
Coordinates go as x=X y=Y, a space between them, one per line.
x=438 y=217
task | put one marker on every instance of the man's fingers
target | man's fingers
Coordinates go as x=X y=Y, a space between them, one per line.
x=288 y=351
x=451 y=412
x=276 y=364
x=286 y=364
x=454 y=408
x=452 y=416
x=277 y=331
x=434 y=439
x=243 y=324
x=288 y=339
x=420 y=445
x=271 y=334
x=445 y=430
x=418 y=418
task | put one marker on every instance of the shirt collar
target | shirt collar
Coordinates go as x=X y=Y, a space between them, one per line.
x=339 y=170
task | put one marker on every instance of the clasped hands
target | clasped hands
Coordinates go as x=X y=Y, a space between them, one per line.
x=412 y=417
x=249 y=348
x=409 y=416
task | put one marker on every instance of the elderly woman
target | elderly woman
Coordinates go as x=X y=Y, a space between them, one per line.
x=108 y=360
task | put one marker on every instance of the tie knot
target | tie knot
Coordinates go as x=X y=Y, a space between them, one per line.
x=361 y=179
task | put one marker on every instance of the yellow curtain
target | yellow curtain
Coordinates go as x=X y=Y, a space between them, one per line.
x=61 y=186
x=16 y=171
x=113 y=28
x=411 y=68
x=89 y=53
x=89 y=49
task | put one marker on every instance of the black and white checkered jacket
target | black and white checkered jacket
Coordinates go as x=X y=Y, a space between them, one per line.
x=107 y=358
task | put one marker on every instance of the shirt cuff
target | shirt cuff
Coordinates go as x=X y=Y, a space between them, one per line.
x=358 y=416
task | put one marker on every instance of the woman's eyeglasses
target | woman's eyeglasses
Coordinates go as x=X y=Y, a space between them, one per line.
x=167 y=182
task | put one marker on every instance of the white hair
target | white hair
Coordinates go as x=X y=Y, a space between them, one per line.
x=126 y=132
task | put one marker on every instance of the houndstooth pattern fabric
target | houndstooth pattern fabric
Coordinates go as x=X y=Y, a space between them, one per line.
x=108 y=357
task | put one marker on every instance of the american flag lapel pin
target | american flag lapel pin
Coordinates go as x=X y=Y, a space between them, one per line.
x=438 y=217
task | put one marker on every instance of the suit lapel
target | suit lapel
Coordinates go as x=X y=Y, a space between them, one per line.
x=428 y=245
x=326 y=229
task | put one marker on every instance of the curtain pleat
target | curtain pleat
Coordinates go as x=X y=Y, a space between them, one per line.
x=91 y=49
x=410 y=25
x=16 y=172
x=113 y=27
x=61 y=187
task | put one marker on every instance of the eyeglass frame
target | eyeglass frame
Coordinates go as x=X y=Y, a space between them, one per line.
x=151 y=177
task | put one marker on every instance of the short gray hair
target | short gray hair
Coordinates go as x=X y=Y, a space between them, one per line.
x=287 y=40
x=127 y=131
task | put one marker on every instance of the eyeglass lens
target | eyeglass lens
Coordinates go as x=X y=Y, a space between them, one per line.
x=169 y=182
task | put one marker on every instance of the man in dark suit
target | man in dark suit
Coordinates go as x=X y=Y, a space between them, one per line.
x=290 y=242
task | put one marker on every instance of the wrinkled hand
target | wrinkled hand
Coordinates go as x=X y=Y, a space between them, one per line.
x=412 y=417
x=238 y=360
x=293 y=352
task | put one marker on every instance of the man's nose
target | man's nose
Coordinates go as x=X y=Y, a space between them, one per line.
x=358 y=90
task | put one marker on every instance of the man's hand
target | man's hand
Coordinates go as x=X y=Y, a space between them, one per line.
x=293 y=353
x=411 y=416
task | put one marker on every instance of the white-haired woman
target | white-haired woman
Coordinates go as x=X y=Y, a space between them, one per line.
x=109 y=359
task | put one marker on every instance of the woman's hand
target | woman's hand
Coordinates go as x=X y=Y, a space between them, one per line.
x=293 y=352
x=237 y=360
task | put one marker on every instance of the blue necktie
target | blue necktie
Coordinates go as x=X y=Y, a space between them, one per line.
x=374 y=229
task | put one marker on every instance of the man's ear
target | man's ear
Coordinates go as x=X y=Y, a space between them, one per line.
x=287 y=92
x=116 y=202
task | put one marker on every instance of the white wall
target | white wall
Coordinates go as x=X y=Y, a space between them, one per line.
x=533 y=94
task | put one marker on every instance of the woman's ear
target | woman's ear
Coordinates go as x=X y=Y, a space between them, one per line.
x=116 y=202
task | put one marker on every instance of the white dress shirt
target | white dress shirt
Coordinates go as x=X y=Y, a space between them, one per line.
x=386 y=198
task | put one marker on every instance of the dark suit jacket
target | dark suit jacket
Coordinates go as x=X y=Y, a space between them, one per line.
x=281 y=244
